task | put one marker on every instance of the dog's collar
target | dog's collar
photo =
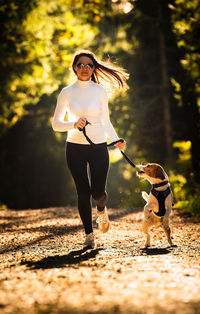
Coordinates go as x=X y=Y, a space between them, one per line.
x=157 y=185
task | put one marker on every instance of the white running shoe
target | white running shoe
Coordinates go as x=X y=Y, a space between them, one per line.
x=90 y=240
x=103 y=220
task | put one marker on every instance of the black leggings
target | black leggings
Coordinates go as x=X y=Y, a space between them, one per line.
x=89 y=181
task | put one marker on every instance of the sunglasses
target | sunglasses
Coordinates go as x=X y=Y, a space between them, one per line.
x=88 y=66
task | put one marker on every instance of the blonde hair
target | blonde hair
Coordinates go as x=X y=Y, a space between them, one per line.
x=105 y=72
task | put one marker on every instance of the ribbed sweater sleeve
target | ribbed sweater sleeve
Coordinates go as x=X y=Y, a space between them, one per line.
x=58 y=123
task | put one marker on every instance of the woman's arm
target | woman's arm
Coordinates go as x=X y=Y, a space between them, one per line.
x=107 y=123
x=58 y=123
x=110 y=131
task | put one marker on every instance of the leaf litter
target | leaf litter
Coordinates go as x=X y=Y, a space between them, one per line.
x=45 y=269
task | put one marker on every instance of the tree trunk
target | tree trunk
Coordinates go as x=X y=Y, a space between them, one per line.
x=192 y=125
x=165 y=88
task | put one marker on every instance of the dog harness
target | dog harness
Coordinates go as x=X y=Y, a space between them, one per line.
x=161 y=196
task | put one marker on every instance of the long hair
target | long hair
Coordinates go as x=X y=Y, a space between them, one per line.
x=105 y=72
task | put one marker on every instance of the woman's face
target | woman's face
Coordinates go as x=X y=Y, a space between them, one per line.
x=84 y=68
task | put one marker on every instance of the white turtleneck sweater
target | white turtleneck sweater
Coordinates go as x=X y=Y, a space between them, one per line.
x=88 y=100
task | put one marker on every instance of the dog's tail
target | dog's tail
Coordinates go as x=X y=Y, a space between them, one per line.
x=145 y=196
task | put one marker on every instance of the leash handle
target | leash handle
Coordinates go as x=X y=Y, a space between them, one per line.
x=81 y=130
x=121 y=140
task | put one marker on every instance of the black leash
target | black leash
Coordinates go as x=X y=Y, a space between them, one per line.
x=108 y=145
x=124 y=155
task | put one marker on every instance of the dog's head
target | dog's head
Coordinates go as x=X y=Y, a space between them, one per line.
x=152 y=172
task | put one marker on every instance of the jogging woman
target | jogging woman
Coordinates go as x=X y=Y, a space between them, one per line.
x=86 y=101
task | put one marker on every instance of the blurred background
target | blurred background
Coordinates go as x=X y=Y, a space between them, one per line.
x=156 y=41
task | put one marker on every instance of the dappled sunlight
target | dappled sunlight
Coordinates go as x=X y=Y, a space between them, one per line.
x=38 y=44
x=54 y=272
x=115 y=155
x=123 y=5
x=127 y=174
x=44 y=266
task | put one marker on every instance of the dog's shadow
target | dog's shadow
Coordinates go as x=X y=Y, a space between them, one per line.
x=58 y=261
x=155 y=250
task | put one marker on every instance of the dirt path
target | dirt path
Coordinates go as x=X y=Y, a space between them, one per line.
x=43 y=268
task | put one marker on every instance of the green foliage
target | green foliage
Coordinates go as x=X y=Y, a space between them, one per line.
x=190 y=206
x=12 y=59
x=133 y=38
x=3 y=206
x=38 y=40
x=186 y=15
x=178 y=182
x=185 y=23
x=185 y=189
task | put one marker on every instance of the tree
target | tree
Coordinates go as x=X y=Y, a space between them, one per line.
x=38 y=45
x=185 y=18
x=13 y=55
x=38 y=39
x=156 y=41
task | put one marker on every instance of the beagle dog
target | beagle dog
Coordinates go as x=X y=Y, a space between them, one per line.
x=159 y=200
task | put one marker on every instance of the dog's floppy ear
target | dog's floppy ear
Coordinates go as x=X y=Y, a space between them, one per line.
x=159 y=172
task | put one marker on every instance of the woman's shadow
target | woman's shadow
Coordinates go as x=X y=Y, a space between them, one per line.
x=58 y=261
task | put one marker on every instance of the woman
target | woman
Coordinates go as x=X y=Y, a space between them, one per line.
x=86 y=100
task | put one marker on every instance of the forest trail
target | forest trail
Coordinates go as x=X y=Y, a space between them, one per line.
x=43 y=268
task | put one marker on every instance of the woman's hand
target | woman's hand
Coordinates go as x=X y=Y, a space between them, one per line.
x=120 y=145
x=80 y=123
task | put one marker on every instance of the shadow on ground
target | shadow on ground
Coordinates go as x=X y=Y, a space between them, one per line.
x=52 y=231
x=156 y=251
x=57 y=261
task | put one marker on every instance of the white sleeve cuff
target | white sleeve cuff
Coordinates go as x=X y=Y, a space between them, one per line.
x=60 y=126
